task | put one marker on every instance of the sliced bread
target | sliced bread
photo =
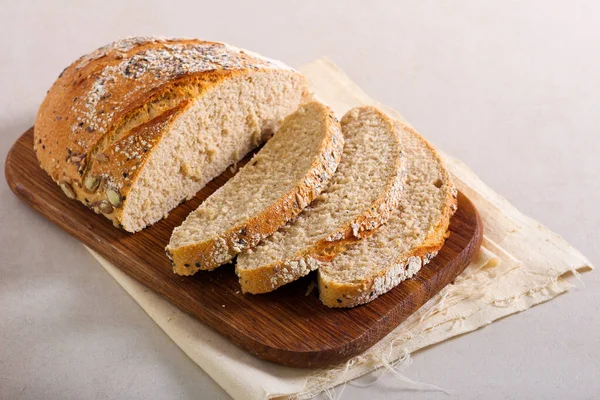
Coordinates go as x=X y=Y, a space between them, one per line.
x=411 y=237
x=362 y=194
x=277 y=184
x=137 y=126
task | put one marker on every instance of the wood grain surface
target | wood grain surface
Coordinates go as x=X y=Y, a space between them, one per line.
x=286 y=326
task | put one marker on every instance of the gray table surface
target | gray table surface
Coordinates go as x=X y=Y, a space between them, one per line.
x=509 y=87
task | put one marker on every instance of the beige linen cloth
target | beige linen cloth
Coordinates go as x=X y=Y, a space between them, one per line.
x=520 y=265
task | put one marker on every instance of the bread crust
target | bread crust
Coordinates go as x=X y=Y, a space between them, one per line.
x=221 y=249
x=103 y=96
x=351 y=294
x=269 y=277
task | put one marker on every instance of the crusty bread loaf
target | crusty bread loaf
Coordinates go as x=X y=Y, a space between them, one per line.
x=137 y=126
x=411 y=237
x=279 y=182
x=360 y=197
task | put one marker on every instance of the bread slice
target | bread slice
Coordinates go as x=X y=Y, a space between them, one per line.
x=411 y=237
x=361 y=195
x=277 y=184
x=136 y=127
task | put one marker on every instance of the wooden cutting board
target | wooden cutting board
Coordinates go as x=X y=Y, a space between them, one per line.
x=287 y=326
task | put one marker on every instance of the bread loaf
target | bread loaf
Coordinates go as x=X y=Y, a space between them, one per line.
x=411 y=237
x=136 y=127
x=360 y=197
x=280 y=180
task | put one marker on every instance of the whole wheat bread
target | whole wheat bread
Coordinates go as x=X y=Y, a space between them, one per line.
x=361 y=196
x=277 y=184
x=411 y=237
x=137 y=126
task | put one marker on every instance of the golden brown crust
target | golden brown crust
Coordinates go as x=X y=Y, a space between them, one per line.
x=269 y=277
x=223 y=248
x=101 y=97
x=351 y=294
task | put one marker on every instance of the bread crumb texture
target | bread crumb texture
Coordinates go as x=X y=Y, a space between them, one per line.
x=278 y=183
x=411 y=237
x=360 y=197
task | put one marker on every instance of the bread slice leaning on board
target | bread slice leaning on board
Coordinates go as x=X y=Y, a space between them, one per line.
x=277 y=184
x=412 y=236
x=136 y=127
x=361 y=196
